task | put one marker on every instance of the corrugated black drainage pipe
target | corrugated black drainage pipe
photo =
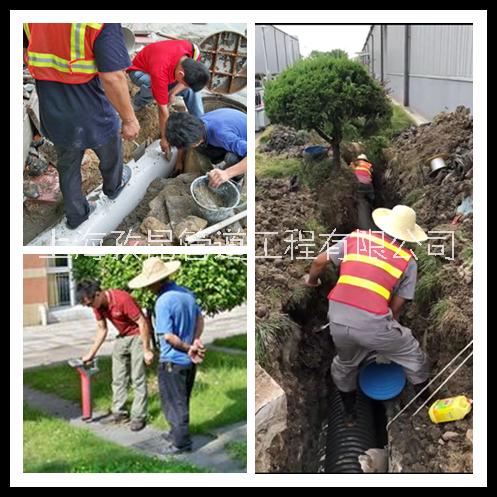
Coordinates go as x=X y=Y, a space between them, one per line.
x=345 y=444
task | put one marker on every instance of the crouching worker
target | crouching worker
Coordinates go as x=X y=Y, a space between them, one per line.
x=131 y=349
x=220 y=135
x=178 y=325
x=166 y=69
x=377 y=277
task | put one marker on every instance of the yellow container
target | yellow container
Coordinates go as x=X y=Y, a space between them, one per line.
x=450 y=409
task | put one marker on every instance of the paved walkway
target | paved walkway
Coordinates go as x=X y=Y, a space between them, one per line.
x=60 y=341
x=208 y=452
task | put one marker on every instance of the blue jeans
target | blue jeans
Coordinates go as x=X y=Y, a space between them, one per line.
x=193 y=100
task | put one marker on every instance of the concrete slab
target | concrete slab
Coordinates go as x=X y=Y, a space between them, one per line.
x=57 y=342
x=270 y=417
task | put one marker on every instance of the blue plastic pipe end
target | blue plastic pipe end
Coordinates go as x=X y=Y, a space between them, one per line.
x=382 y=381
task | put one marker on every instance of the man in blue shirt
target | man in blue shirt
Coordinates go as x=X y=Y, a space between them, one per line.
x=178 y=325
x=221 y=135
x=89 y=115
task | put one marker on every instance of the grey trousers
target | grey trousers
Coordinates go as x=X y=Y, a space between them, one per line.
x=395 y=343
x=128 y=367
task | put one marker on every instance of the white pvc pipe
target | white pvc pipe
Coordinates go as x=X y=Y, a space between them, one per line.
x=212 y=229
x=109 y=213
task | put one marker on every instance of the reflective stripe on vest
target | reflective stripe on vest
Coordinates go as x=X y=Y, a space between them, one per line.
x=364 y=283
x=81 y=65
x=396 y=273
x=381 y=242
x=370 y=269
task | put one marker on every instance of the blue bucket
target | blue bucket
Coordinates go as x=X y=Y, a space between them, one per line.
x=381 y=381
x=315 y=152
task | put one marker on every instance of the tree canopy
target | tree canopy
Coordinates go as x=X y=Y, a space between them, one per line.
x=219 y=282
x=326 y=93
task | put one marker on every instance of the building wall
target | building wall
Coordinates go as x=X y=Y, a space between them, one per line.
x=35 y=288
x=439 y=65
x=275 y=50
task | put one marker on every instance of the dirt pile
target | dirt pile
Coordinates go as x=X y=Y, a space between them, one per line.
x=284 y=141
x=286 y=311
x=441 y=314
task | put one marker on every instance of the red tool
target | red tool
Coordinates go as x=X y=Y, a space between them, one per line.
x=86 y=371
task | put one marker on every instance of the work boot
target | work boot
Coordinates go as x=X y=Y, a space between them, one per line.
x=137 y=425
x=93 y=206
x=168 y=436
x=124 y=181
x=172 y=450
x=115 y=418
x=349 y=401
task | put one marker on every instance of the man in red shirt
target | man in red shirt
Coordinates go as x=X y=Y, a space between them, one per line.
x=131 y=349
x=165 y=69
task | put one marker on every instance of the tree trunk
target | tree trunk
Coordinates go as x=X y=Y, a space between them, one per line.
x=335 y=147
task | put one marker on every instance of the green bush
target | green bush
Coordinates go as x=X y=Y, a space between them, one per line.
x=219 y=282
x=326 y=93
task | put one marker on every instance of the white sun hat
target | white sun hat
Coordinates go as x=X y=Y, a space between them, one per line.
x=154 y=270
x=362 y=156
x=400 y=223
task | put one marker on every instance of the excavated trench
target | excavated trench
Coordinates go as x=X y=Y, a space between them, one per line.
x=317 y=439
x=325 y=444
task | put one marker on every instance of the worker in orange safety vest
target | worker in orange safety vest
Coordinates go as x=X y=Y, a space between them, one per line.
x=363 y=170
x=82 y=92
x=377 y=275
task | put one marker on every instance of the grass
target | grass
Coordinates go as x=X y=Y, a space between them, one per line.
x=413 y=196
x=440 y=310
x=238 y=452
x=238 y=342
x=51 y=445
x=400 y=120
x=276 y=167
x=428 y=284
x=219 y=397
x=270 y=335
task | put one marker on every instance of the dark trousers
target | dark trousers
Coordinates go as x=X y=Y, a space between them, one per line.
x=175 y=386
x=365 y=201
x=69 y=160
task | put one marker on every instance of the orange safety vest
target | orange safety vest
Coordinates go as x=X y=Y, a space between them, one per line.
x=62 y=52
x=363 y=170
x=370 y=269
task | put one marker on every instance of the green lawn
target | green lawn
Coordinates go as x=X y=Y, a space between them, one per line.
x=234 y=342
x=53 y=446
x=267 y=166
x=400 y=119
x=219 y=396
x=238 y=451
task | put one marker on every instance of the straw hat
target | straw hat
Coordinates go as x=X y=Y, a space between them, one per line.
x=362 y=156
x=400 y=223
x=154 y=270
